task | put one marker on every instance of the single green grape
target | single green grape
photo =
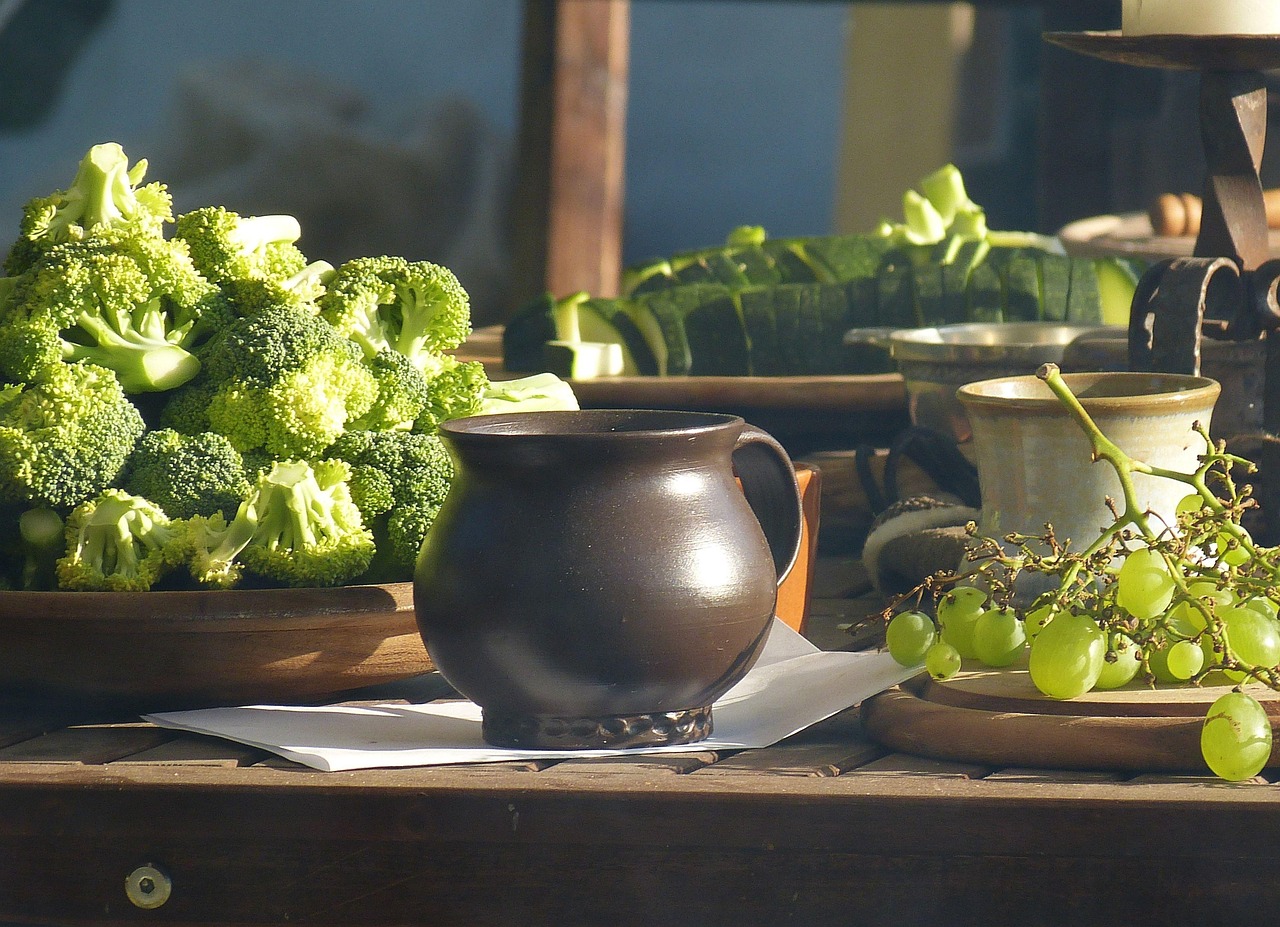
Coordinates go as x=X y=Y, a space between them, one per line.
x=999 y=637
x=942 y=660
x=1189 y=504
x=963 y=598
x=1183 y=660
x=1236 y=738
x=1229 y=550
x=958 y=611
x=1263 y=606
x=1144 y=587
x=1067 y=656
x=1036 y=619
x=1120 y=671
x=909 y=636
x=1252 y=638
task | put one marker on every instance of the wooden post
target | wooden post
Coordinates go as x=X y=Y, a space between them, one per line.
x=567 y=214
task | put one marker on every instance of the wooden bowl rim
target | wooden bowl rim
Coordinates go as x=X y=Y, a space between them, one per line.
x=209 y=610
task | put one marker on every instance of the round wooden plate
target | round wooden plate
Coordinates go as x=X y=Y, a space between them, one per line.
x=998 y=718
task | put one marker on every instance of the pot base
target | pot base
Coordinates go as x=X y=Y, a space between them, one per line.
x=612 y=732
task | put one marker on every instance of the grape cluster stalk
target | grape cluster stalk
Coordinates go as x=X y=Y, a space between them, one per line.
x=1190 y=603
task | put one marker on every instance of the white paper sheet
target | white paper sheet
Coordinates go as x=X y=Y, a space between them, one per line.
x=792 y=686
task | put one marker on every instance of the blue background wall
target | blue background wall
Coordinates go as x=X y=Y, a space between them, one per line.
x=734 y=106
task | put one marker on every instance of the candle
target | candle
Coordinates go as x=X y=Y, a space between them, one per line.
x=1201 y=17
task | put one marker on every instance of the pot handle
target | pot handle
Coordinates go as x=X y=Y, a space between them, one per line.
x=769 y=482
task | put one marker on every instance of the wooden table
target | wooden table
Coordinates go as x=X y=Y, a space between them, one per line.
x=827 y=827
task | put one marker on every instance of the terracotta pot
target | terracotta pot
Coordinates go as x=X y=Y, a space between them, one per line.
x=1034 y=462
x=597 y=578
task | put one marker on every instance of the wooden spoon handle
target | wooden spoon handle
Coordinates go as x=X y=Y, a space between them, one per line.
x=1179 y=213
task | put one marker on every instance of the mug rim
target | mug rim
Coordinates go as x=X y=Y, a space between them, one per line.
x=589 y=423
x=1169 y=392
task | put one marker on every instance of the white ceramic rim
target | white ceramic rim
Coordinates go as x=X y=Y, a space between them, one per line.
x=1168 y=392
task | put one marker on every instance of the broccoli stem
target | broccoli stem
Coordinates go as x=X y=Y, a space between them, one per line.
x=252 y=233
x=140 y=355
x=102 y=183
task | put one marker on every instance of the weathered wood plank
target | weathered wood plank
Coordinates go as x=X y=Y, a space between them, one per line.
x=195 y=750
x=89 y=745
x=670 y=764
x=800 y=760
x=1056 y=776
x=902 y=764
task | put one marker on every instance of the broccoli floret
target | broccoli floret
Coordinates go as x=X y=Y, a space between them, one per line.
x=187 y=475
x=104 y=195
x=214 y=548
x=399 y=480
x=65 y=435
x=404 y=393
x=282 y=380
x=227 y=247
x=389 y=303
x=246 y=297
x=119 y=543
x=298 y=527
x=130 y=303
x=455 y=389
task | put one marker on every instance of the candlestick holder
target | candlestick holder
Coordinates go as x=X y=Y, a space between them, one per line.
x=1228 y=288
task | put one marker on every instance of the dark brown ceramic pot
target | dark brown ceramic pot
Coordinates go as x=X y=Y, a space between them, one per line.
x=599 y=578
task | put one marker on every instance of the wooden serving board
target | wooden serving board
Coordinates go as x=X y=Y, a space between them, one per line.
x=803 y=412
x=997 y=717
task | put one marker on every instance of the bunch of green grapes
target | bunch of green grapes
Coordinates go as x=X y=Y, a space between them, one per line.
x=1191 y=603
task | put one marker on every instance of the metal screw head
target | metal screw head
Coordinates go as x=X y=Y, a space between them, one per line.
x=148 y=887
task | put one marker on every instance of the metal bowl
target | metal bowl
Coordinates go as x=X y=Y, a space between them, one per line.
x=935 y=362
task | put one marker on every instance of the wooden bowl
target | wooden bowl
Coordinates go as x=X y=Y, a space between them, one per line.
x=165 y=650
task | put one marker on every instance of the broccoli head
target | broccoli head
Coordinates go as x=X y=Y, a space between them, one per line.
x=126 y=302
x=249 y=296
x=399 y=480
x=105 y=194
x=455 y=389
x=282 y=380
x=187 y=475
x=119 y=542
x=65 y=435
x=227 y=247
x=404 y=393
x=389 y=303
x=298 y=526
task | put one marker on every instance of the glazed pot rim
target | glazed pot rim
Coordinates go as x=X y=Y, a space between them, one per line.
x=1118 y=392
x=590 y=424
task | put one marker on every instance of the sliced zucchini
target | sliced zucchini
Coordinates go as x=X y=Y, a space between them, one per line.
x=895 y=291
x=583 y=360
x=1021 y=286
x=1084 y=303
x=1055 y=286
